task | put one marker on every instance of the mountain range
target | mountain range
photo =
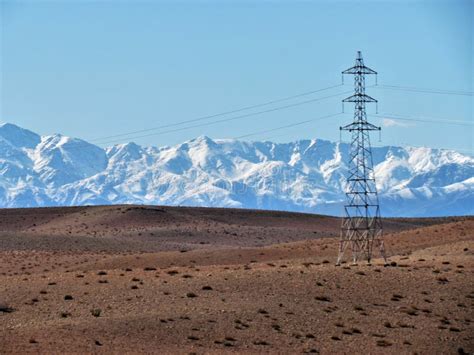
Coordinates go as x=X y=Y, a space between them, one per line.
x=305 y=175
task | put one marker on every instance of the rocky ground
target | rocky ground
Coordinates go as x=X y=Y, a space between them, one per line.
x=193 y=280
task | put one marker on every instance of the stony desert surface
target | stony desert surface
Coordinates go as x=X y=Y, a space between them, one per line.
x=149 y=279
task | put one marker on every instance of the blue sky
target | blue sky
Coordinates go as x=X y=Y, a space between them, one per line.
x=91 y=69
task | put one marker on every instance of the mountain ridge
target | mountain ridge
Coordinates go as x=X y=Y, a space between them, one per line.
x=302 y=176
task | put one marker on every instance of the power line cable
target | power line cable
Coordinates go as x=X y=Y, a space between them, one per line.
x=425 y=90
x=287 y=126
x=425 y=120
x=232 y=118
x=404 y=145
x=245 y=108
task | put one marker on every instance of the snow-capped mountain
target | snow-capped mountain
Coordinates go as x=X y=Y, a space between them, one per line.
x=306 y=175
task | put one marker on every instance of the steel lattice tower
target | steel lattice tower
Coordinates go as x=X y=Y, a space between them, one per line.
x=361 y=225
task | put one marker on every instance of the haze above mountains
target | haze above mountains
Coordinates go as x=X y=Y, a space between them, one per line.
x=305 y=175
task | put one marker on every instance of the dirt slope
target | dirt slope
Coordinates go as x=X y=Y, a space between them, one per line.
x=188 y=280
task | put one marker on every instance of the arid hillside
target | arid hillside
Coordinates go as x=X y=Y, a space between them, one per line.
x=195 y=280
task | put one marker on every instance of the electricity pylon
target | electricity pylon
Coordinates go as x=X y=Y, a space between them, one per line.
x=361 y=225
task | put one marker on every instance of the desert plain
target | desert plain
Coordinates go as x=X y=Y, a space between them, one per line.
x=151 y=279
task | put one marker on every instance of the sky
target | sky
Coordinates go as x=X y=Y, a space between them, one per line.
x=95 y=69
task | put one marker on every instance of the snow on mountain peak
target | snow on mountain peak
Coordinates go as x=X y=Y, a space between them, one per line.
x=126 y=151
x=60 y=160
x=305 y=175
x=18 y=137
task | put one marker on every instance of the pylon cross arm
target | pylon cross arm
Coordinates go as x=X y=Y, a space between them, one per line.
x=360 y=126
x=359 y=98
x=356 y=69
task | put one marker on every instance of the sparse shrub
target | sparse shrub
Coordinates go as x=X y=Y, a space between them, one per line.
x=65 y=314
x=6 y=309
x=276 y=327
x=96 y=312
x=410 y=312
x=322 y=298
x=383 y=343
x=442 y=280
x=377 y=335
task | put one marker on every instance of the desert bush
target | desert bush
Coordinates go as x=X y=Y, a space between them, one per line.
x=322 y=298
x=96 y=312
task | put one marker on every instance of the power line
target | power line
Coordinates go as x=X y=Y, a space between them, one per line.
x=245 y=108
x=108 y=139
x=425 y=120
x=232 y=118
x=425 y=90
x=403 y=145
x=287 y=126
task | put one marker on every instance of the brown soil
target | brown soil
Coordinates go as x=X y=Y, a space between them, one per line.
x=194 y=280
